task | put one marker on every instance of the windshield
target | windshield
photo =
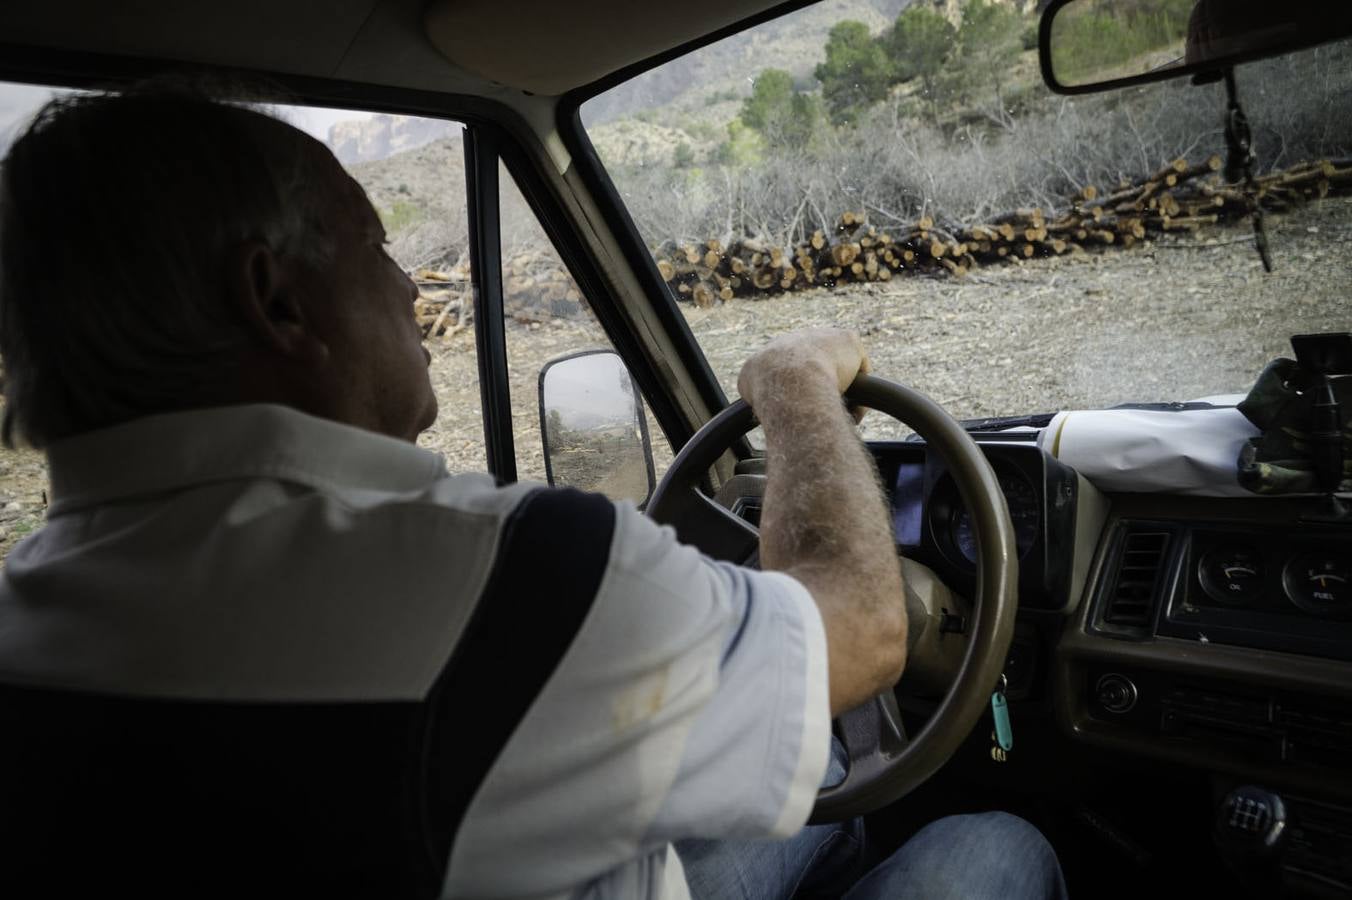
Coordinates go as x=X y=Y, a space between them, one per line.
x=901 y=170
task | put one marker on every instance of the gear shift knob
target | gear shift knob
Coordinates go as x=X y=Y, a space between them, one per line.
x=1251 y=830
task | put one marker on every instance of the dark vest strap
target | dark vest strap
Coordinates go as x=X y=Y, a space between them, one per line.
x=553 y=556
x=106 y=796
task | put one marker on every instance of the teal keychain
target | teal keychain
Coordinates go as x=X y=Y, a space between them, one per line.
x=1003 y=736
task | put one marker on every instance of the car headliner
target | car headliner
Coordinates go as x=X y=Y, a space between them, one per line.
x=543 y=47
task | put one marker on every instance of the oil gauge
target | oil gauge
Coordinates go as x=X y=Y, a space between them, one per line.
x=1320 y=584
x=1232 y=574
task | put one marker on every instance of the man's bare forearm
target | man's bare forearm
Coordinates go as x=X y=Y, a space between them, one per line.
x=826 y=524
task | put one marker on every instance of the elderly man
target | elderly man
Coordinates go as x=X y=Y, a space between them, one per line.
x=265 y=646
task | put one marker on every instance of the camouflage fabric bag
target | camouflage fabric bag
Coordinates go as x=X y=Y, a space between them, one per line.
x=1280 y=405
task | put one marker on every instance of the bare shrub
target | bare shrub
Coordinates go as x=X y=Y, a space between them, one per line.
x=431 y=244
x=896 y=167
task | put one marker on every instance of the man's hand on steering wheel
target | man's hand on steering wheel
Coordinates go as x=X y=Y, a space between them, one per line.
x=824 y=521
x=842 y=351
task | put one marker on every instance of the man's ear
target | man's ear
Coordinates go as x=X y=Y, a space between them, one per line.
x=263 y=288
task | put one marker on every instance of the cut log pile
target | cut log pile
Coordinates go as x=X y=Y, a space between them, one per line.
x=445 y=304
x=535 y=287
x=1181 y=197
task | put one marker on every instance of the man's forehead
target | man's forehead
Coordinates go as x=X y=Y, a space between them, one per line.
x=346 y=197
x=356 y=202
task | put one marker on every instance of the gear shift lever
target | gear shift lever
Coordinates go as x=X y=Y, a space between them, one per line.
x=1251 y=833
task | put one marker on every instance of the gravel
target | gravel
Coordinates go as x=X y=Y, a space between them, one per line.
x=1180 y=319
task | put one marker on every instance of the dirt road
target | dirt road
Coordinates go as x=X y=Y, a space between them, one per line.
x=1167 y=321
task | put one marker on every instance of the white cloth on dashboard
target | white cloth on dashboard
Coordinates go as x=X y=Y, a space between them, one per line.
x=1187 y=451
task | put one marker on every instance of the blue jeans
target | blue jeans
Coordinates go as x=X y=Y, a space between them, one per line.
x=990 y=855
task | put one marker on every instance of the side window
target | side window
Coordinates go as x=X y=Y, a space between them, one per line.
x=412 y=170
x=547 y=318
x=23 y=471
x=23 y=495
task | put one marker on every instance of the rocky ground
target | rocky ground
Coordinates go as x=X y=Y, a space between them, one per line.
x=1169 y=320
x=1190 y=317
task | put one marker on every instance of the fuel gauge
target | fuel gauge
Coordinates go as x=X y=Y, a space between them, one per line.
x=1232 y=574
x=1320 y=584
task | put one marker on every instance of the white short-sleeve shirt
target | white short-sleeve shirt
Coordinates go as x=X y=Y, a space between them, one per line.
x=251 y=553
x=692 y=704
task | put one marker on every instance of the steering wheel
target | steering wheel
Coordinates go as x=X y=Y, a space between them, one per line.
x=965 y=653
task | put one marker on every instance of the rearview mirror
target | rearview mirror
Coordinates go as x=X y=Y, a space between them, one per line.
x=1098 y=45
x=593 y=428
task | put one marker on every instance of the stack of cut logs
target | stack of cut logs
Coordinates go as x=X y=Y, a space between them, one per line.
x=1180 y=197
x=535 y=287
x=445 y=304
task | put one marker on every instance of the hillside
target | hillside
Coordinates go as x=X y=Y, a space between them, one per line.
x=693 y=99
x=413 y=168
x=793 y=42
x=420 y=195
x=718 y=69
x=690 y=100
x=381 y=136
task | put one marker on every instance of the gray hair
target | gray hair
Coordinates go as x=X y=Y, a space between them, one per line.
x=116 y=212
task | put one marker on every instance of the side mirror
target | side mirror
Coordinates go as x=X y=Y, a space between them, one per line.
x=593 y=428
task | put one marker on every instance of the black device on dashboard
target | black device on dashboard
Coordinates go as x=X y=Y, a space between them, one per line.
x=1325 y=356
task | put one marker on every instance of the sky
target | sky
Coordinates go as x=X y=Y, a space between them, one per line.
x=19 y=101
x=586 y=391
x=317 y=120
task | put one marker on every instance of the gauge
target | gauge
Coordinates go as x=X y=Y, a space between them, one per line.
x=1020 y=497
x=1321 y=583
x=1232 y=574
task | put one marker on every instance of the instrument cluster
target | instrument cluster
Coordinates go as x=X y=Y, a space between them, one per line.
x=933 y=526
x=1296 y=575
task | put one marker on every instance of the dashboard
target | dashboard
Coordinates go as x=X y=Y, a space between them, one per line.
x=1263 y=573
x=1216 y=633
x=1209 y=633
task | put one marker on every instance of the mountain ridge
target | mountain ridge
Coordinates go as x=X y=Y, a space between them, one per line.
x=692 y=85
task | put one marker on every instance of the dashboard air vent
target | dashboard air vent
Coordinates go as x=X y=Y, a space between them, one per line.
x=1131 y=601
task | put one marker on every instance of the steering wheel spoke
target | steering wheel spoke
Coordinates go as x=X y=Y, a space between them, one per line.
x=873 y=735
x=710 y=527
